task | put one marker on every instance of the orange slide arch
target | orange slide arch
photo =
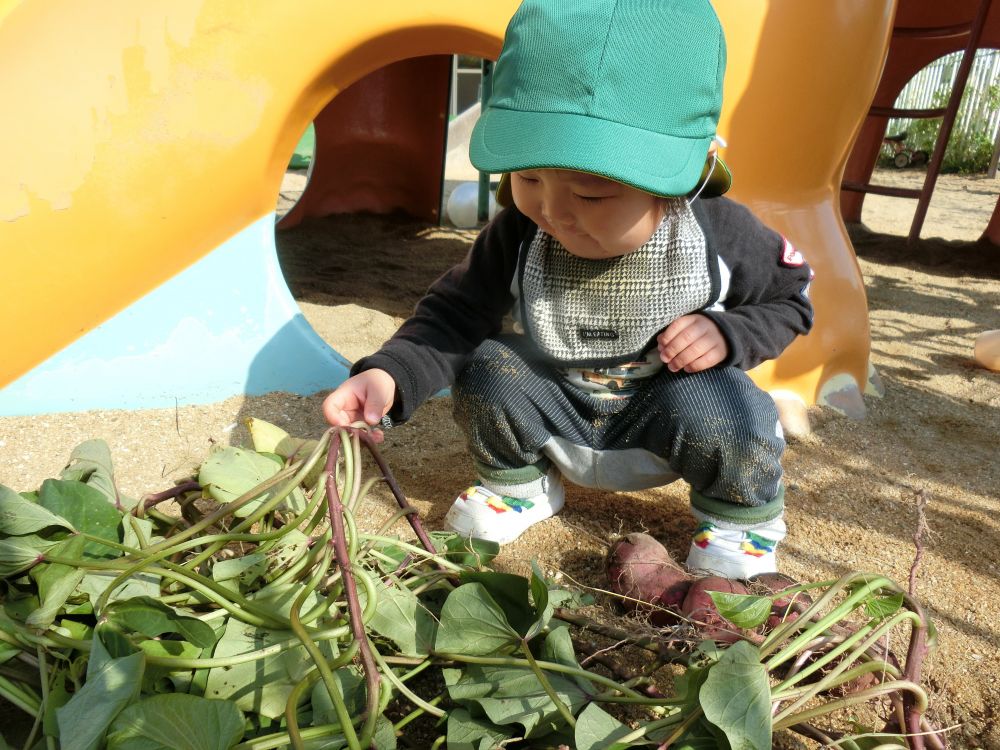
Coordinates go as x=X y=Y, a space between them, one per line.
x=152 y=137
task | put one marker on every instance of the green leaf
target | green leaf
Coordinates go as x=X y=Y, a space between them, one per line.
x=129 y=536
x=152 y=619
x=165 y=679
x=269 y=438
x=110 y=686
x=558 y=647
x=467 y=733
x=699 y=736
x=384 y=737
x=743 y=610
x=241 y=572
x=263 y=685
x=289 y=549
x=177 y=722
x=87 y=509
x=229 y=473
x=540 y=596
x=280 y=598
x=117 y=644
x=90 y=463
x=56 y=582
x=81 y=631
x=7 y=652
x=464 y=550
x=59 y=696
x=401 y=617
x=96 y=582
x=736 y=697
x=510 y=592
x=472 y=623
x=18 y=553
x=880 y=607
x=352 y=689
x=19 y=515
x=866 y=738
x=596 y=729
x=514 y=695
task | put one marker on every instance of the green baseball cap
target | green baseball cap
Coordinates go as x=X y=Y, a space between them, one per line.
x=626 y=89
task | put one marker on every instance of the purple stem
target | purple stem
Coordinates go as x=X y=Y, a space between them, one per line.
x=413 y=518
x=148 y=501
x=339 y=542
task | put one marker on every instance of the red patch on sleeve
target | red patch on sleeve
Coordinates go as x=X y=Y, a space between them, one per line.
x=790 y=257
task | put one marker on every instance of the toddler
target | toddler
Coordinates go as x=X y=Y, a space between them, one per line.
x=639 y=295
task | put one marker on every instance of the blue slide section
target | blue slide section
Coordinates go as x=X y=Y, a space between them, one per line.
x=223 y=327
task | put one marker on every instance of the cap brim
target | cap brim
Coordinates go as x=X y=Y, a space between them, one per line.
x=718 y=182
x=505 y=140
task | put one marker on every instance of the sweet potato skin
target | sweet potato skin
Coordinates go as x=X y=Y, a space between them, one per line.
x=699 y=609
x=640 y=568
x=783 y=607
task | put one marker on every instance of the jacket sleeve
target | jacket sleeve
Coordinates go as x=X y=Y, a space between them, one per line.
x=766 y=304
x=461 y=309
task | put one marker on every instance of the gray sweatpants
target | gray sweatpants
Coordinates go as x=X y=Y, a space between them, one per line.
x=715 y=429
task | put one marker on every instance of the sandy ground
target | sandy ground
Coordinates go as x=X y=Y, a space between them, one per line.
x=852 y=485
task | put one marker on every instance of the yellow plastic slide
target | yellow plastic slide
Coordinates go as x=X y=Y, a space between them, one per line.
x=143 y=145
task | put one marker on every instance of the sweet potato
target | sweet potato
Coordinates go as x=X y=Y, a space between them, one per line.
x=783 y=607
x=639 y=567
x=700 y=610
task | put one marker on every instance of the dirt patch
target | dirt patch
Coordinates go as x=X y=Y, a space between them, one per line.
x=852 y=486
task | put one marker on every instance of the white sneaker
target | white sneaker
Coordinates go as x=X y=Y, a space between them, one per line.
x=483 y=514
x=735 y=552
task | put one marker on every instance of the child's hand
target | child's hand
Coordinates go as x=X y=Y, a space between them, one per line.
x=691 y=343
x=366 y=397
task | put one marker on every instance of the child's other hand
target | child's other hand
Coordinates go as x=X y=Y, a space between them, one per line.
x=366 y=397
x=692 y=343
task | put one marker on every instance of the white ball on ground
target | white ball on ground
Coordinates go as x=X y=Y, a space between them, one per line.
x=987 y=350
x=463 y=205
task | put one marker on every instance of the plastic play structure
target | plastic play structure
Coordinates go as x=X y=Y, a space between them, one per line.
x=141 y=169
x=923 y=31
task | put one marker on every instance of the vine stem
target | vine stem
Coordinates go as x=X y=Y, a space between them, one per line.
x=552 y=666
x=148 y=501
x=43 y=673
x=661 y=646
x=339 y=542
x=547 y=686
x=412 y=518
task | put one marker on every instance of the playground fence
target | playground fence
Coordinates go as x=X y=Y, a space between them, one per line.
x=977 y=129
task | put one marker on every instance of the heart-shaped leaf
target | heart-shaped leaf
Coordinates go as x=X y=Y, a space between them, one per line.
x=472 y=623
x=19 y=515
x=229 y=473
x=596 y=729
x=743 y=610
x=736 y=697
x=18 y=553
x=177 y=722
x=56 y=582
x=152 y=619
x=110 y=686
x=510 y=592
x=87 y=509
x=90 y=463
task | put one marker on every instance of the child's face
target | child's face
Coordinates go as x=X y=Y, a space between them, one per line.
x=592 y=217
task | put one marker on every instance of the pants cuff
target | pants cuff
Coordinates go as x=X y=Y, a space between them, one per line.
x=523 y=482
x=740 y=516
